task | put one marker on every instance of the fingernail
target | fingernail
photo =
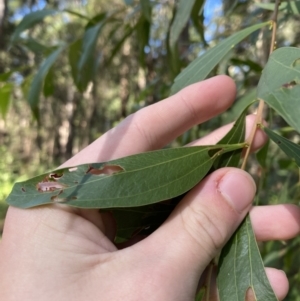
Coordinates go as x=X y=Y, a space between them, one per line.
x=238 y=188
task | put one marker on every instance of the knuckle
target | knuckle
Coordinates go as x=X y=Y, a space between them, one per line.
x=203 y=228
x=190 y=108
x=137 y=121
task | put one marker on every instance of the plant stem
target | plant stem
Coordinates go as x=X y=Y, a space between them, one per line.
x=208 y=279
x=261 y=104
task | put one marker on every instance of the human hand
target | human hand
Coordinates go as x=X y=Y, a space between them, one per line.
x=62 y=253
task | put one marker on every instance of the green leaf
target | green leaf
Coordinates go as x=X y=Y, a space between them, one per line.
x=146 y=9
x=35 y=46
x=241 y=268
x=143 y=33
x=127 y=182
x=128 y=32
x=235 y=135
x=74 y=54
x=77 y=14
x=86 y=66
x=286 y=7
x=30 y=20
x=38 y=80
x=242 y=103
x=197 y=17
x=291 y=149
x=140 y=220
x=240 y=264
x=203 y=65
x=96 y=20
x=279 y=85
x=5 y=93
x=48 y=89
x=183 y=13
x=262 y=155
x=173 y=57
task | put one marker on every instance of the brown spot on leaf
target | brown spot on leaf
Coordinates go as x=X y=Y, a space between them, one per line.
x=105 y=170
x=23 y=189
x=289 y=85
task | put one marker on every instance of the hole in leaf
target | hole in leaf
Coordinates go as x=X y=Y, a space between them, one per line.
x=23 y=189
x=56 y=199
x=49 y=184
x=55 y=176
x=105 y=170
x=296 y=63
x=289 y=85
x=72 y=169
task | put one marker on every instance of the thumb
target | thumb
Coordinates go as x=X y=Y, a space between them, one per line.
x=202 y=223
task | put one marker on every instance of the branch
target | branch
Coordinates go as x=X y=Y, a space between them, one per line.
x=261 y=104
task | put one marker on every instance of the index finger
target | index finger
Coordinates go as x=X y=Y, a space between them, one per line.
x=157 y=125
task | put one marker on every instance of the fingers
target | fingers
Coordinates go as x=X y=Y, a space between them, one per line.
x=277 y=222
x=157 y=125
x=278 y=281
x=202 y=223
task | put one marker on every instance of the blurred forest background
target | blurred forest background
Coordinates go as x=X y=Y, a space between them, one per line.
x=77 y=68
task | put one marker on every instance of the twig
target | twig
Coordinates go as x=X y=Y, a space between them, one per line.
x=208 y=279
x=260 y=109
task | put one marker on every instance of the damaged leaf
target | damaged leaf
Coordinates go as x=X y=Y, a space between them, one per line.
x=279 y=85
x=146 y=219
x=127 y=182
